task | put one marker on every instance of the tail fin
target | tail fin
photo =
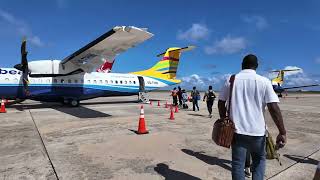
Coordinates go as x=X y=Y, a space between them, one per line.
x=280 y=77
x=106 y=66
x=167 y=67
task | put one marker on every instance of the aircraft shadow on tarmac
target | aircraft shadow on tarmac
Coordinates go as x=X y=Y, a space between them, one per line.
x=170 y=174
x=79 y=112
x=209 y=159
x=82 y=112
x=301 y=159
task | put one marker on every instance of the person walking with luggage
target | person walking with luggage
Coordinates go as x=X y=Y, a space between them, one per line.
x=209 y=97
x=195 y=97
x=174 y=94
x=184 y=99
x=251 y=93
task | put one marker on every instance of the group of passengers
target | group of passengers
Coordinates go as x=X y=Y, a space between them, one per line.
x=182 y=97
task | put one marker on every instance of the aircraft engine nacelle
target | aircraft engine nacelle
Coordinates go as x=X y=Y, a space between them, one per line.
x=49 y=67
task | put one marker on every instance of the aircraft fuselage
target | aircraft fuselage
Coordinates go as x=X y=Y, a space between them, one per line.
x=79 y=87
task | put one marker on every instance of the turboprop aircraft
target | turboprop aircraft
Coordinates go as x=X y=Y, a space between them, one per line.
x=279 y=80
x=73 y=79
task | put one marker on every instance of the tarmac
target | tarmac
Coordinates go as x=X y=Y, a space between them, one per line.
x=97 y=141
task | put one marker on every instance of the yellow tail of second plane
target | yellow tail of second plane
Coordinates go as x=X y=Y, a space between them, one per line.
x=280 y=77
x=166 y=68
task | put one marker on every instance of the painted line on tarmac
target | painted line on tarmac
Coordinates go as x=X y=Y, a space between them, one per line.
x=298 y=162
x=43 y=145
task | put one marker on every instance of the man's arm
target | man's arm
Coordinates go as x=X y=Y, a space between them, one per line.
x=222 y=109
x=205 y=95
x=278 y=120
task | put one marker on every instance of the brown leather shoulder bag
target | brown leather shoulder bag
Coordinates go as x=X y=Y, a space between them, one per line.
x=223 y=129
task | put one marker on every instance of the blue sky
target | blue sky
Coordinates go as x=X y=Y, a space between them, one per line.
x=283 y=34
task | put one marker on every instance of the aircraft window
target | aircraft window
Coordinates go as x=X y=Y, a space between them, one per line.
x=134 y=82
x=106 y=81
x=88 y=81
x=62 y=81
x=101 y=82
x=76 y=81
x=111 y=81
x=155 y=82
x=120 y=82
x=95 y=82
x=125 y=82
x=69 y=81
x=116 y=82
x=130 y=82
x=55 y=81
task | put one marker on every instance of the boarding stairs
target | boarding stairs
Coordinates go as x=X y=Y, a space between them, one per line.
x=144 y=97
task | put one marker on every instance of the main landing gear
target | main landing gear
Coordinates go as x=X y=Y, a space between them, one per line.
x=71 y=102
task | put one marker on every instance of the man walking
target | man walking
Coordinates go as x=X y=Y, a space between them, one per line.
x=209 y=96
x=195 y=97
x=251 y=94
x=174 y=94
x=179 y=96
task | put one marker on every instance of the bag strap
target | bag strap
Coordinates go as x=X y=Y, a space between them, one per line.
x=231 y=81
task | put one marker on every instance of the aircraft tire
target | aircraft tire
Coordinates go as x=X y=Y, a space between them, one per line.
x=74 y=102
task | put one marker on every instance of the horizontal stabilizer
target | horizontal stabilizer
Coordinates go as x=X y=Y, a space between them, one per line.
x=187 y=48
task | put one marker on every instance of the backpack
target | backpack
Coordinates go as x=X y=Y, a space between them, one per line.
x=211 y=96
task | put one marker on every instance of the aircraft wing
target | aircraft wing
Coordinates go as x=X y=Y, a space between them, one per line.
x=297 y=87
x=107 y=46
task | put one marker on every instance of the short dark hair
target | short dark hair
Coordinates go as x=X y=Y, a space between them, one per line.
x=210 y=87
x=194 y=87
x=250 y=61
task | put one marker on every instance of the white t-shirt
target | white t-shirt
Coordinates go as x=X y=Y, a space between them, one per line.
x=251 y=93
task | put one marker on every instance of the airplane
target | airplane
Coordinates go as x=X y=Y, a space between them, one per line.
x=73 y=79
x=279 y=80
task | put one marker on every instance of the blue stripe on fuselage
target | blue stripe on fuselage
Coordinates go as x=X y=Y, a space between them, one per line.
x=50 y=92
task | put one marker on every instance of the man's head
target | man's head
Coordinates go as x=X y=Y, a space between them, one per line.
x=179 y=87
x=250 y=61
x=210 y=87
x=174 y=88
x=194 y=88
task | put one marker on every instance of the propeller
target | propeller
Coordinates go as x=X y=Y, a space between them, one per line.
x=24 y=67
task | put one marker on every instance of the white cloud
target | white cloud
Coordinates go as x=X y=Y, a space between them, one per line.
x=259 y=21
x=227 y=45
x=202 y=82
x=20 y=27
x=317 y=60
x=195 y=33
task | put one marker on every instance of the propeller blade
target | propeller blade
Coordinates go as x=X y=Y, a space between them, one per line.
x=24 y=66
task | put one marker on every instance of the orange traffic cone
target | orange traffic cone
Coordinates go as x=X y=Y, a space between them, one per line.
x=166 y=105
x=171 y=114
x=158 y=103
x=176 y=109
x=3 y=107
x=142 y=124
